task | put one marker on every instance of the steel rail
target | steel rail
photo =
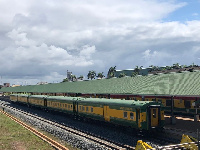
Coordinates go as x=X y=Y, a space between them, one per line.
x=99 y=140
x=37 y=133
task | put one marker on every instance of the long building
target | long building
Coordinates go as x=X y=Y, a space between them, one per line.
x=185 y=83
x=178 y=92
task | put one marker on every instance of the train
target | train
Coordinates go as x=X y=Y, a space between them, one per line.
x=140 y=115
x=181 y=105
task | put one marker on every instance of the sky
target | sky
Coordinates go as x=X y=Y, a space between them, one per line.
x=41 y=40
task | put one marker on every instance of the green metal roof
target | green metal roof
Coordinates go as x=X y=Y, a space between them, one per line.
x=186 y=83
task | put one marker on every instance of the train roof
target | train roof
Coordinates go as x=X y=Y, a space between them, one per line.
x=102 y=101
x=185 y=83
x=119 y=102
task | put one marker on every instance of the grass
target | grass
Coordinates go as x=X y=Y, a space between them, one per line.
x=14 y=137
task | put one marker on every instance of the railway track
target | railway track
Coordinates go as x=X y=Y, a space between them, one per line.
x=108 y=144
x=160 y=139
x=53 y=143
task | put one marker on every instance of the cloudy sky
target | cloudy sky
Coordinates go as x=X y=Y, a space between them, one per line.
x=41 y=40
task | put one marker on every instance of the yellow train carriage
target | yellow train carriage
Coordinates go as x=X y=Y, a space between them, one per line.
x=36 y=100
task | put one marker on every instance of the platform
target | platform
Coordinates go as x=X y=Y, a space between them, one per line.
x=183 y=123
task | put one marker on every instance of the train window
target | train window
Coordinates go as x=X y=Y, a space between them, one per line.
x=153 y=99
x=65 y=105
x=87 y=109
x=160 y=100
x=132 y=116
x=79 y=108
x=168 y=102
x=83 y=108
x=91 y=109
x=68 y=106
x=125 y=115
x=154 y=113
x=187 y=104
x=71 y=106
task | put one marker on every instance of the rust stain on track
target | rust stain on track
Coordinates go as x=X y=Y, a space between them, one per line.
x=37 y=133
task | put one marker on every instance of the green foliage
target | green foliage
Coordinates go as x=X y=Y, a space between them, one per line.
x=14 y=136
x=137 y=69
x=176 y=66
x=80 y=77
x=168 y=67
x=65 y=80
x=100 y=75
x=91 y=75
x=73 y=78
x=111 y=72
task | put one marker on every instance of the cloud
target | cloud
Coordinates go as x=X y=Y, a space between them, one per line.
x=28 y=58
x=20 y=38
x=42 y=39
x=195 y=14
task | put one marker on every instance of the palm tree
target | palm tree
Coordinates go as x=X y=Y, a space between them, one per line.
x=151 y=66
x=168 y=67
x=176 y=66
x=73 y=78
x=111 y=72
x=100 y=75
x=80 y=77
x=65 y=80
x=137 y=69
x=91 y=75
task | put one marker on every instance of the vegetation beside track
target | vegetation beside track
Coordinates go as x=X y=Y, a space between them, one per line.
x=14 y=136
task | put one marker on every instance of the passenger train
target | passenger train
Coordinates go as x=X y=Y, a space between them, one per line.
x=141 y=115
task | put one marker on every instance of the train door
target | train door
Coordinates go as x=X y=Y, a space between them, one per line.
x=154 y=116
x=45 y=102
x=138 y=118
x=105 y=113
x=75 y=108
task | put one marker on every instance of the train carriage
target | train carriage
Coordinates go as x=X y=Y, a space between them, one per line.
x=143 y=115
x=19 y=98
x=36 y=100
x=61 y=103
x=14 y=97
x=136 y=114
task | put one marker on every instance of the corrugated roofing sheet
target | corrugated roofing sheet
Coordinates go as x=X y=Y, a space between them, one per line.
x=165 y=84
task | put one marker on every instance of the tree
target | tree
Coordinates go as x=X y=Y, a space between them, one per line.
x=122 y=75
x=137 y=69
x=100 y=75
x=111 y=72
x=80 y=77
x=176 y=66
x=65 y=80
x=168 y=67
x=73 y=78
x=151 y=66
x=193 y=65
x=91 y=75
